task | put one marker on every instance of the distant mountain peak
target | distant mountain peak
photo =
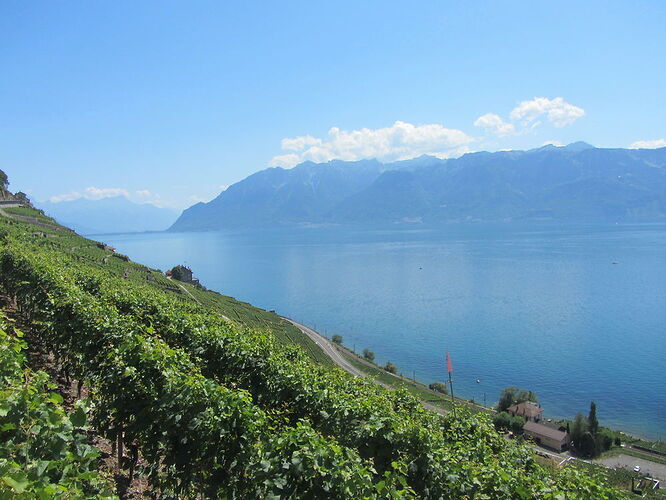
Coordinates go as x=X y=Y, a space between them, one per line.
x=116 y=214
x=578 y=146
x=574 y=147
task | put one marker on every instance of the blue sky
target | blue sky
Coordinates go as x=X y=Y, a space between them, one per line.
x=168 y=102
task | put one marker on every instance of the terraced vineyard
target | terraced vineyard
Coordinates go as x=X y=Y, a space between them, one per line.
x=43 y=451
x=225 y=400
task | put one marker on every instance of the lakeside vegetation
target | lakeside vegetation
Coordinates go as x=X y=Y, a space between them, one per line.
x=437 y=397
x=606 y=442
x=218 y=408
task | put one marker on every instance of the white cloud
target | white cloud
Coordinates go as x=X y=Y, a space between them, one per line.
x=299 y=143
x=451 y=153
x=553 y=143
x=558 y=111
x=286 y=161
x=73 y=195
x=143 y=192
x=93 y=193
x=495 y=125
x=400 y=141
x=90 y=193
x=653 y=144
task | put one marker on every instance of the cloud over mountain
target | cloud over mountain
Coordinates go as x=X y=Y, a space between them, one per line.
x=652 y=144
x=400 y=141
x=403 y=140
x=557 y=111
x=495 y=125
x=90 y=193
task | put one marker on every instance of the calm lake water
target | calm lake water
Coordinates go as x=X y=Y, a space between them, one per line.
x=573 y=313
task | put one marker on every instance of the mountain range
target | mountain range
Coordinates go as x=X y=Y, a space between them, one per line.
x=109 y=215
x=577 y=182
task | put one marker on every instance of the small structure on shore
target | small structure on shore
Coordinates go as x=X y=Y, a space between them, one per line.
x=556 y=438
x=528 y=410
x=106 y=247
x=182 y=273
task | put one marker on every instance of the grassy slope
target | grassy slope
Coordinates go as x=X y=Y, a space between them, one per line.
x=417 y=389
x=28 y=212
x=237 y=311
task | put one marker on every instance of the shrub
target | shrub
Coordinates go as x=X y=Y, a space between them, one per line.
x=502 y=420
x=439 y=387
x=517 y=424
x=604 y=440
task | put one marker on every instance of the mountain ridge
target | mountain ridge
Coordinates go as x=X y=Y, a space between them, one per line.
x=573 y=182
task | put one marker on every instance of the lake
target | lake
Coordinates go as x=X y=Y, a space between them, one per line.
x=575 y=313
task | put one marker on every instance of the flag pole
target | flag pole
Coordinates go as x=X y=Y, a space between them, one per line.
x=449 y=368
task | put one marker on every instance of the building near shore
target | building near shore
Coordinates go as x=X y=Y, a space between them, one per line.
x=184 y=274
x=548 y=436
x=528 y=410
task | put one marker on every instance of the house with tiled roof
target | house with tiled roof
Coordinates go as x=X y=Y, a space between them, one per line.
x=527 y=410
x=551 y=436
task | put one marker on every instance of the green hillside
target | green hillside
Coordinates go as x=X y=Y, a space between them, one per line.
x=218 y=399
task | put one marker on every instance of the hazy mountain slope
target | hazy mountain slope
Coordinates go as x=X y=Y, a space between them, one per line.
x=279 y=196
x=576 y=182
x=109 y=215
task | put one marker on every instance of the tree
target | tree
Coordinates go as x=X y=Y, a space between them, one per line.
x=506 y=399
x=368 y=354
x=4 y=182
x=578 y=429
x=502 y=420
x=512 y=395
x=390 y=367
x=603 y=440
x=517 y=424
x=592 y=422
x=439 y=387
x=587 y=446
x=337 y=339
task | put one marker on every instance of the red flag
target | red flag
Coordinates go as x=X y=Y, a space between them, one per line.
x=449 y=366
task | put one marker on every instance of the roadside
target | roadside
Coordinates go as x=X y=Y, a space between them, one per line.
x=628 y=462
x=329 y=349
x=356 y=365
